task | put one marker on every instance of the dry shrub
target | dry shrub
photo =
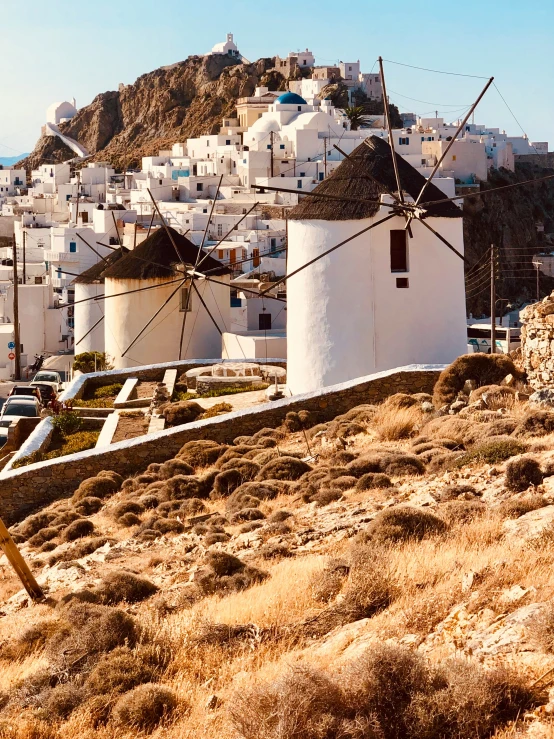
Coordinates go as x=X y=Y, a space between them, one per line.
x=304 y=703
x=449 y=427
x=78 y=530
x=482 y=369
x=389 y=692
x=327 y=584
x=396 y=422
x=33 y=524
x=521 y=473
x=234 y=452
x=119 y=671
x=497 y=449
x=60 y=702
x=89 y=505
x=184 y=411
x=127 y=506
x=404 y=464
x=168 y=526
x=461 y=511
x=128 y=520
x=373 y=480
x=542 y=628
x=233 y=474
x=494 y=396
x=536 y=423
x=458 y=492
x=279 y=516
x=225 y=572
x=112 y=475
x=298 y=421
x=521 y=504
x=344 y=482
x=247 y=514
x=268 y=433
x=266 y=490
x=43 y=536
x=201 y=453
x=216 y=537
x=181 y=487
x=192 y=507
x=80 y=549
x=367 y=464
x=145 y=707
x=324 y=497
x=174 y=467
x=100 y=486
x=90 y=630
x=402 y=523
x=124 y=586
x=401 y=400
x=284 y=468
x=33 y=639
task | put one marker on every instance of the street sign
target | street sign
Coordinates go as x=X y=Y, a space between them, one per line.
x=11 y=345
x=11 y=356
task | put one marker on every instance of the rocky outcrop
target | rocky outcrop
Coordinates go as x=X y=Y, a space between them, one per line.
x=162 y=107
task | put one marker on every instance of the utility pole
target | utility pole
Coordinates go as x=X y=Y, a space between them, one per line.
x=24 y=259
x=271 y=133
x=17 y=337
x=493 y=301
x=325 y=159
x=78 y=189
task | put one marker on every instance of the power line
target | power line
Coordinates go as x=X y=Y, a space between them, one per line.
x=436 y=71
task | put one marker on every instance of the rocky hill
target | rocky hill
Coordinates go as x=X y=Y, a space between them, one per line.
x=397 y=584
x=162 y=107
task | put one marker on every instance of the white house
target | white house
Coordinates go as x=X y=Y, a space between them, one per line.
x=382 y=300
x=10 y=179
x=166 y=307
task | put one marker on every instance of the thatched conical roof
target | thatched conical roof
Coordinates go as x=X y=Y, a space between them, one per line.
x=95 y=274
x=367 y=173
x=156 y=258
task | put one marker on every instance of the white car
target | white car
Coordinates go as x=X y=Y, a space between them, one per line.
x=48 y=377
x=19 y=407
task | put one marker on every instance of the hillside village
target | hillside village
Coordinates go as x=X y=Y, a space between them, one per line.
x=256 y=365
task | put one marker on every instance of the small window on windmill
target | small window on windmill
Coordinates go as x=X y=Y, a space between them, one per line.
x=186 y=300
x=264 y=321
x=402 y=282
x=398 y=250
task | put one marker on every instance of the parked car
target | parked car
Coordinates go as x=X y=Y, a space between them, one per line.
x=52 y=378
x=46 y=390
x=19 y=407
x=24 y=390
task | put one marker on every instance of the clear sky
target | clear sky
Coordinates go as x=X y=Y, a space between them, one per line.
x=55 y=50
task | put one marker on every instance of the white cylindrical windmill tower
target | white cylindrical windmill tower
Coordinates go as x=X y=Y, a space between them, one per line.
x=89 y=313
x=383 y=299
x=143 y=326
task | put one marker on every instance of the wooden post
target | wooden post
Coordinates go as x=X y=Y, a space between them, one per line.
x=389 y=127
x=21 y=567
x=24 y=259
x=17 y=337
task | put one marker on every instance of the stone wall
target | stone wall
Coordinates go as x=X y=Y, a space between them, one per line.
x=146 y=373
x=537 y=342
x=28 y=488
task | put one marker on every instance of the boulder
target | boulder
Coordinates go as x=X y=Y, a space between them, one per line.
x=530 y=525
x=543 y=398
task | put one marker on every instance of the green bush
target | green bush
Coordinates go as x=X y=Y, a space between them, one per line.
x=86 y=361
x=216 y=392
x=494 y=451
x=108 y=391
x=66 y=423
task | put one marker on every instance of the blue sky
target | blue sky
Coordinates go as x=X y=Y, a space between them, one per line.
x=57 y=50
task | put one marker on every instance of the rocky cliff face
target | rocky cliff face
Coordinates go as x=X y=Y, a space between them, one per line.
x=508 y=220
x=168 y=105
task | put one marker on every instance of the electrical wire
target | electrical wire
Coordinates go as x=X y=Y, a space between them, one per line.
x=436 y=71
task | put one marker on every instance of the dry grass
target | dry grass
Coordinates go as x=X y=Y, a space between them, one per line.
x=393 y=423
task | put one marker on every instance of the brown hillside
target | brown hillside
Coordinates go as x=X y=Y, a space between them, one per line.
x=168 y=105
